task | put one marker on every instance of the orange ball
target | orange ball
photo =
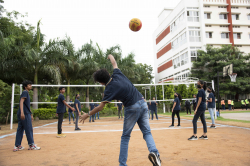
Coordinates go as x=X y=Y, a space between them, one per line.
x=135 y=24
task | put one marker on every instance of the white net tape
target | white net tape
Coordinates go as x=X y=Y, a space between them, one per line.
x=233 y=77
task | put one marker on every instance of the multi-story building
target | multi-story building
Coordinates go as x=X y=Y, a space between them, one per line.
x=193 y=24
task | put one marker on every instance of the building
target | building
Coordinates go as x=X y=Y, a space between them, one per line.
x=193 y=24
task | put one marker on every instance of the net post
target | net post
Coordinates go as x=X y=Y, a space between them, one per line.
x=163 y=98
x=12 y=105
x=215 y=101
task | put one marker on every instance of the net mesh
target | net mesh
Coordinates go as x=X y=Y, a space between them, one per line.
x=233 y=77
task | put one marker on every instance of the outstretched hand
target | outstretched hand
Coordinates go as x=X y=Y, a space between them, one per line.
x=83 y=117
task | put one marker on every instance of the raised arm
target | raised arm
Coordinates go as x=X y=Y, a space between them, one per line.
x=112 y=60
x=73 y=109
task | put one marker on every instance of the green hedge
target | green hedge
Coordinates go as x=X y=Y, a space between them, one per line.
x=45 y=113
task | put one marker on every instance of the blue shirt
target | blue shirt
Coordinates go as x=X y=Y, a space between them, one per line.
x=69 y=110
x=149 y=106
x=177 y=106
x=77 y=102
x=92 y=106
x=211 y=104
x=96 y=105
x=26 y=103
x=153 y=105
x=120 y=88
x=61 y=108
x=119 y=106
x=202 y=94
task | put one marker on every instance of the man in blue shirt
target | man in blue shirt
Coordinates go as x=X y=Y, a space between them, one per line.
x=71 y=112
x=91 y=107
x=61 y=109
x=149 y=108
x=77 y=106
x=119 y=108
x=153 y=105
x=25 y=119
x=118 y=87
x=97 y=114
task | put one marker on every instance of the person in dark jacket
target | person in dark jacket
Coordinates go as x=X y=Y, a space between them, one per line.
x=176 y=109
x=188 y=105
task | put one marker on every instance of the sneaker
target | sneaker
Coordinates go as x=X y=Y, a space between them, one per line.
x=171 y=126
x=213 y=127
x=17 y=148
x=78 y=129
x=154 y=158
x=203 y=137
x=178 y=125
x=61 y=136
x=192 y=138
x=34 y=147
x=69 y=122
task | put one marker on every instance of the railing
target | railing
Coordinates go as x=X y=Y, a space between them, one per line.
x=215 y=1
x=247 y=2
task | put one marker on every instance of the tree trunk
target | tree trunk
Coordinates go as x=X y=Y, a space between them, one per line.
x=35 y=91
x=68 y=92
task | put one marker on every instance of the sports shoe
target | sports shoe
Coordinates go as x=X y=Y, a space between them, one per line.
x=178 y=125
x=61 y=135
x=192 y=138
x=78 y=129
x=171 y=126
x=154 y=158
x=213 y=127
x=203 y=137
x=33 y=147
x=69 y=122
x=17 y=148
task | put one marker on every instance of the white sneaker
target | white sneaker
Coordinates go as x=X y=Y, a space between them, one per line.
x=17 y=148
x=34 y=147
x=154 y=158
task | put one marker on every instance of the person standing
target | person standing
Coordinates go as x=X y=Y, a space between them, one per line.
x=71 y=112
x=232 y=104
x=97 y=114
x=77 y=106
x=243 y=104
x=153 y=105
x=61 y=109
x=229 y=102
x=176 y=109
x=247 y=103
x=119 y=87
x=91 y=107
x=200 y=111
x=211 y=105
x=119 y=108
x=25 y=118
x=223 y=104
x=188 y=105
x=194 y=102
x=149 y=108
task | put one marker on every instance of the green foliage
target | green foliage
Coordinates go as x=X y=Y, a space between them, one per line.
x=182 y=89
x=45 y=113
x=191 y=91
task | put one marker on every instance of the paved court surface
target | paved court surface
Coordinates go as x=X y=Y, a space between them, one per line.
x=237 y=116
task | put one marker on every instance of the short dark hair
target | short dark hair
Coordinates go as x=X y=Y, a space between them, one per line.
x=60 y=88
x=26 y=83
x=102 y=76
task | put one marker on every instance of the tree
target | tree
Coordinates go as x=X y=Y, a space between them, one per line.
x=191 y=91
x=213 y=60
x=182 y=89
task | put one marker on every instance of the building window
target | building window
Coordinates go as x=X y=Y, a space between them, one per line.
x=208 y=25
x=224 y=35
x=222 y=6
x=194 y=36
x=193 y=16
x=234 y=7
x=178 y=21
x=236 y=26
x=207 y=15
x=223 y=16
x=237 y=36
x=224 y=26
x=248 y=16
x=180 y=60
x=235 y=17
x=206 y=6
x=208 y=34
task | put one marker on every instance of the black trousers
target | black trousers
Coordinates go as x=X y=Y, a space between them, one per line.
x=200 y=114
x=242 y=106
x=177 y=112
x=194 y=106
x=246 y=106
x=188 y=109
x=59 y=124
x=120 y=113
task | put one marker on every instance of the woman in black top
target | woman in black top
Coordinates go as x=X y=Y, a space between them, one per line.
x=176 y=109
x=200 y=110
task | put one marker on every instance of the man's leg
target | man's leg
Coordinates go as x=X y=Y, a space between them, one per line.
x=60 y=120
x=211 y=112
x=76 y=124
x=189 y=109
x=90 y=118
x=19 y=133
x=69 y=117
x=173 y=115
x=196 y=117
x=131 y=116
x=93 y=118
x=28 y=129
x=202 y=116
x=73 y=116
x=178 y=116
x=152 y=114
x=156 y=114
x=98 y=115
x=119 y=113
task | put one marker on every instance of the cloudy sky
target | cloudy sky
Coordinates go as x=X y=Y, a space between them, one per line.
x=103 y=21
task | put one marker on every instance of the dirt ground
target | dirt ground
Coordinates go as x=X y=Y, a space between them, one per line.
x=98 y=144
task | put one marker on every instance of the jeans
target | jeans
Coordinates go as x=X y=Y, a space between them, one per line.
x=211 y=112
x=72 y=115
x=26 y=125
x=200 y=114
x=97 y=115
x=223 y=107
x=93 y=118
x=229 y=107
x=218 y=113
x=178 y=116
x=120 y=113
x=152 y=114
x=132 y=114
x=77 y=117
x=59 y=125
x=149 y=111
